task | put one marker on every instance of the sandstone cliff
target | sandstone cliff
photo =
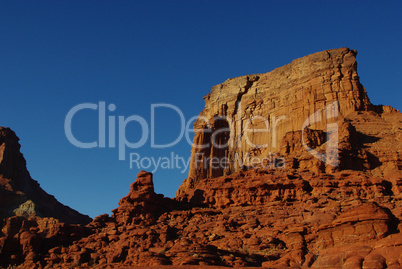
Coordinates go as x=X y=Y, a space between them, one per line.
x=246 y=118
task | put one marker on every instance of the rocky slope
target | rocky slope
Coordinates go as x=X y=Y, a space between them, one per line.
x=20 y=195
x=328 y=193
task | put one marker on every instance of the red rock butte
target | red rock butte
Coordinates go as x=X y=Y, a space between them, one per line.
x=328 y=194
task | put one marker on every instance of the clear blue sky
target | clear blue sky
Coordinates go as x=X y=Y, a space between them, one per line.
x=55 y=55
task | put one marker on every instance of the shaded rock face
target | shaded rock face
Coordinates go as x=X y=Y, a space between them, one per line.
x=24 y=240
x=20 y=195
x=297 y=211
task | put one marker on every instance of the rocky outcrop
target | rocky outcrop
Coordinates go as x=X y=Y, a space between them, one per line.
x=321 y=220
x=274 y=219
x=20 y=195
x=142 y=205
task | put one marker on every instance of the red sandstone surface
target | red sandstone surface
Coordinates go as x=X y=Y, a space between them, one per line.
x=306 y=213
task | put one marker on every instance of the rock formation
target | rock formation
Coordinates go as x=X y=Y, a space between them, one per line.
x=245 y=118
x=142 y=203
x=328 y=193
x=20 y=195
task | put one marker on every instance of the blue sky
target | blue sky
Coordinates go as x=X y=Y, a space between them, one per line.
x=55 y=55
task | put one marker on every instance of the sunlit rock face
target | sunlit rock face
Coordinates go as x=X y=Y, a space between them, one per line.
x=259 y=120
